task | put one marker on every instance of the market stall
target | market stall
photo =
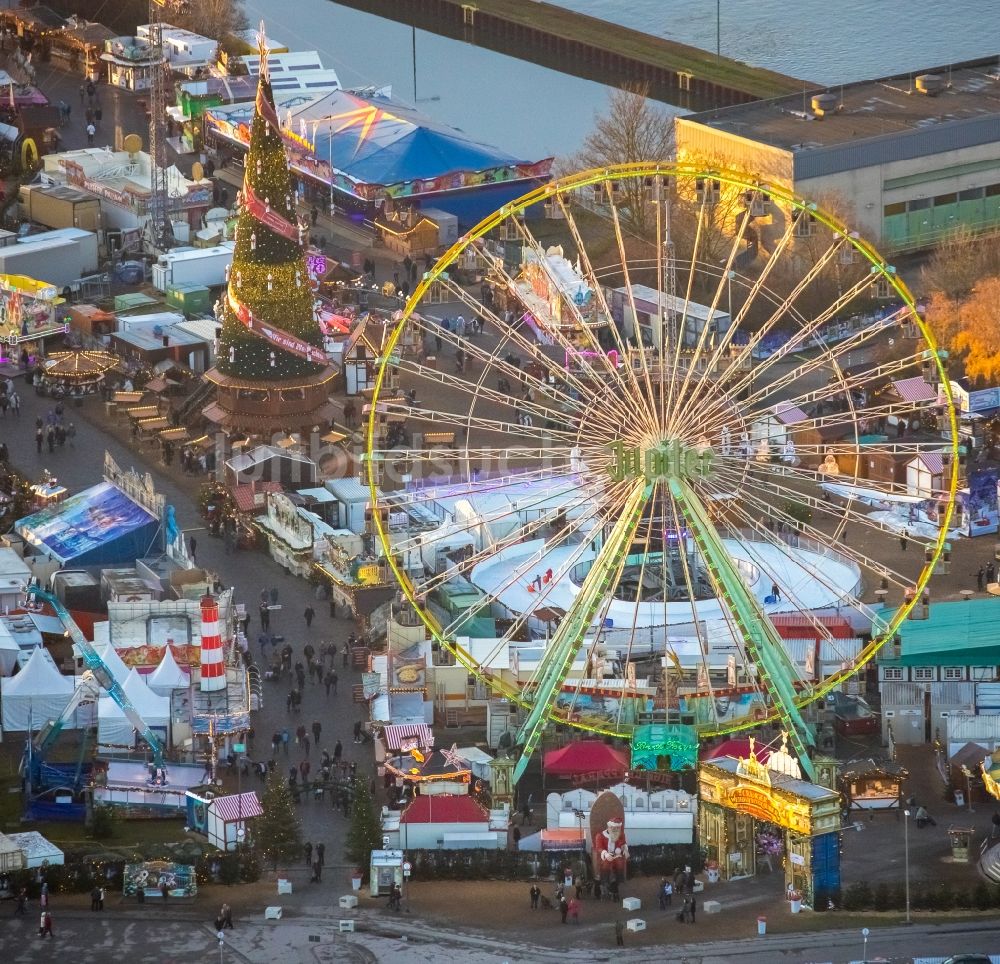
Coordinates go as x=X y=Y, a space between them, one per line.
x=37 y=694
x=872 y=785
x=586 y=761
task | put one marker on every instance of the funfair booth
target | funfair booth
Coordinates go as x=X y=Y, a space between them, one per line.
x=99 y=526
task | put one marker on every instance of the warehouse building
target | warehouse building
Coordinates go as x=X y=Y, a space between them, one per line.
x=904 y=160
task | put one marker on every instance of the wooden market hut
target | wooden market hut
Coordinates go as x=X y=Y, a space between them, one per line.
x=872 y=785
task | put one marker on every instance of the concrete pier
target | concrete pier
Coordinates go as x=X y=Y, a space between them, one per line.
x=587 y=47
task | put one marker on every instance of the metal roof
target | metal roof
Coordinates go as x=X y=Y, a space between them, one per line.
x=955 y=634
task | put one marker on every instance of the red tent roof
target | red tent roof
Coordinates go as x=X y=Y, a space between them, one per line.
x=586 y=756
x=737 y=749
x=444 y=808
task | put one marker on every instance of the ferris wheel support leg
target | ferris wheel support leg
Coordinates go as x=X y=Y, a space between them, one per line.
x=561 y=652
x=762 y=640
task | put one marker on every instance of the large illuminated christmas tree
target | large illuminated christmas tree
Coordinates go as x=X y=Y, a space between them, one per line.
x=270 y=366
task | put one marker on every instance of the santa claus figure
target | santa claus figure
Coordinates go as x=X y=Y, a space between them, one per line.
x=611 y=850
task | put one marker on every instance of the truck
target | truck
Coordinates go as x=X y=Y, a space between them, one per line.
x=200 y=266
x=59 y=206
x=56 y=261
x=86 y=242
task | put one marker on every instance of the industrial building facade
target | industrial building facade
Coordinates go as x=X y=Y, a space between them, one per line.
x=905 y=160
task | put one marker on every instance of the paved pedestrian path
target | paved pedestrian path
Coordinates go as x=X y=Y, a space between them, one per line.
x=249 y=572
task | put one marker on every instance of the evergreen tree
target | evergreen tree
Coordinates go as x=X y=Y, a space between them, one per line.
x=278 y=830
x=268 y=275
x=365 y=833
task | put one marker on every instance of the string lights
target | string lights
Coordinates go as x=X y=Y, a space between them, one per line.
x=268 y=268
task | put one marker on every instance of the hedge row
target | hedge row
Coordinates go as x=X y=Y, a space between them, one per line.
x=525 y=865
x=924 y=895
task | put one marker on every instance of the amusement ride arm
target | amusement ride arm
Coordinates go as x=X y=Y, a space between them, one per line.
x=101 y=672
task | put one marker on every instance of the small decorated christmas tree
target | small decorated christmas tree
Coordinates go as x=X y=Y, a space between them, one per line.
x=269 y=328
x=277 y=830
x=365 y=832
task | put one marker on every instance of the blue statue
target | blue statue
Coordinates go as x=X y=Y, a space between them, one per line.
x=173 y=533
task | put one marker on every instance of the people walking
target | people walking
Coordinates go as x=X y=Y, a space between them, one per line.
x=95 y=897
x=22 y=900
x=308 y=850
x=563 y=909
x=321 y=854
x=45 y=924
x=991 y=574
x=227 y=916
x=357 y=732
x=534 y=894
x=317 y=728
x=904 y=540
x=193 y=548
x=619 y=933
x=981 y=578
x=91 y=131
x=309 y=614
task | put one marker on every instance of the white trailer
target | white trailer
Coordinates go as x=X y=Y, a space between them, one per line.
x=56 y=261
x=200 y=266
x=86 y=241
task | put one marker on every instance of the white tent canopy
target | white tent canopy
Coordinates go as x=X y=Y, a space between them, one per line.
x=113 y=728
x=167 y=676
x=114 y=662
x=35 y=695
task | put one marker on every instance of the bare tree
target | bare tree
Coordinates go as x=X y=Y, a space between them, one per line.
x=632 y=130
x=959 y=261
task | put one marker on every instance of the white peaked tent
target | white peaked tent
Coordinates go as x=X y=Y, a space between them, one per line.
x=35 y=695
x=167 y=676
x=114 y=662
x=114 y=732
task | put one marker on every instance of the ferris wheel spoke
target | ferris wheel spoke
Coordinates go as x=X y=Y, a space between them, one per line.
x=498 y=364
x=762 y=562
x=850 y=598
x=602 y=511
x=750 y=301
x=692 y=364
x=820 y=478
x=433 y=491
x=588 y=271
x=648 y=396
x=584 y=329
x=493 y=547
x=804 y=339
x=696 y=621
x=483 y=392
x=763 y=498
x=438 y=417
x=519 y=623
x=856 y=381
x=677 y=335
x=559 y=655
x=555 y=334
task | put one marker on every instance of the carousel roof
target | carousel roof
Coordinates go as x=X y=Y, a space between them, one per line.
x=81 y=364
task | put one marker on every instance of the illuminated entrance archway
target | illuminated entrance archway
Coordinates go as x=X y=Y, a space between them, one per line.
x=734 y=795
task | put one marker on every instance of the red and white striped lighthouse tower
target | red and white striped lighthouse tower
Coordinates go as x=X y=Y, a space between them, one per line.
x=213 y=671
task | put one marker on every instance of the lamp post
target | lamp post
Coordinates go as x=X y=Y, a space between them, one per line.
x=906 y=850
x=222 y=944
x=864 y=935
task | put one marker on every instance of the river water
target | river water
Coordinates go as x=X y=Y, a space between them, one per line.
x=534 y=112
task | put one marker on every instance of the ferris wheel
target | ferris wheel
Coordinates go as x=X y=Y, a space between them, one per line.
x=661 y=443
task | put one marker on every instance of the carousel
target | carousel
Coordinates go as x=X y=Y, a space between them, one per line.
x=75 y=373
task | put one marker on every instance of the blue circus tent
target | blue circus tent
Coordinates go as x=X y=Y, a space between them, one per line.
x=380 y=141
x=99 y=526
x=370 y=146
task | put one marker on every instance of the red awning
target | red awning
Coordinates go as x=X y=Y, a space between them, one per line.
x=586 y=756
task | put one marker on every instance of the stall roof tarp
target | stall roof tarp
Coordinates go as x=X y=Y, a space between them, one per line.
x=37 y=849
x=585 y=756
x=9 y=651
x=99 y=525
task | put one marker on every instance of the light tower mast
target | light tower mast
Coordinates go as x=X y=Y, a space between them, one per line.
x=159 y=231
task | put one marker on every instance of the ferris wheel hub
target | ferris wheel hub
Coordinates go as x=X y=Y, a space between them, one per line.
x=659 y=462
